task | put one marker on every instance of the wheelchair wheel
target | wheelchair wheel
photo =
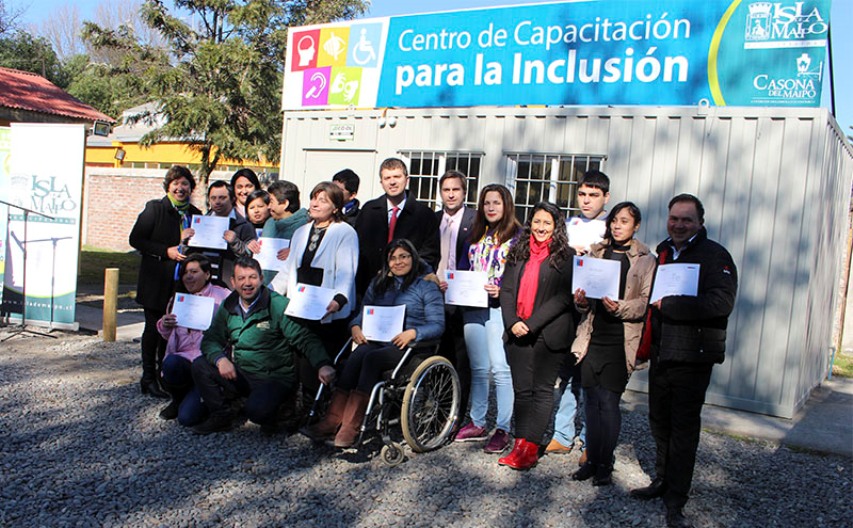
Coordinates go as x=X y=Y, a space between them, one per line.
x=430 y=405
x=392 y=454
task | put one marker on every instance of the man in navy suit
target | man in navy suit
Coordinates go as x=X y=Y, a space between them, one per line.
x=455 y=224
x=395 y=214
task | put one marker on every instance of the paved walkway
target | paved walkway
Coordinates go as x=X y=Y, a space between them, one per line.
x=824 y=424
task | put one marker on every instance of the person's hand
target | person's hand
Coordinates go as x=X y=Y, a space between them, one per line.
x=580 y=250
x=326 y=374
x=492 y=290
x=580 y=298
x=229 y=236
x=332 y=308
x=254 y=246
x=610 y=305
x=226 y=368
x=657 y=304
x=175 y=254
x=405 y=337
x=169 y=320
x=187 y=233
x=358 y=336
x=520 y=329
x=442 y=286
x=283 y=254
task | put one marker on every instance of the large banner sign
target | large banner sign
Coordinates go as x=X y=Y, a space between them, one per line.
x=625 y=52
x=5 y=149
x=46 y=176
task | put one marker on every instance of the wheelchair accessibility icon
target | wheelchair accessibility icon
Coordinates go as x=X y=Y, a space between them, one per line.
x=363 y=52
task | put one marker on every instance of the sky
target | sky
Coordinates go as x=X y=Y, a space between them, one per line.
x=841 y=21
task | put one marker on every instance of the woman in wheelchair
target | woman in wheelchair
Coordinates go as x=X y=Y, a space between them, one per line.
x=402 y=281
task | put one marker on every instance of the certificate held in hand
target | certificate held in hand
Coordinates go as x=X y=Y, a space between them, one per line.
x=675 y=279
x=193 y=311
x=599 y=278
x=309 y=302
x=267 y=257
x=382 y=323
x=467 y=288
x=209 y=232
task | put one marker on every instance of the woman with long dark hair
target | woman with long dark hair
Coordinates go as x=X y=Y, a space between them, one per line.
x=157 y=235
x=536 y=302
x=244 y=182
x=400 y=282
x=608 y=338
x=495 y=230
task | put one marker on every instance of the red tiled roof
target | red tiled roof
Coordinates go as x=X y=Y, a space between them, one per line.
x=28 y=91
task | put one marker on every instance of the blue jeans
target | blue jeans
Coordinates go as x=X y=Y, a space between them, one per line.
x=178 y=378
x=486 y=355
x=571 y=406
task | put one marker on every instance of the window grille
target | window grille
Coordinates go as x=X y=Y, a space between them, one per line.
x=426 y=167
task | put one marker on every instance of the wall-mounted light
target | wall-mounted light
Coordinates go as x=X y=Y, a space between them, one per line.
x=119 y=155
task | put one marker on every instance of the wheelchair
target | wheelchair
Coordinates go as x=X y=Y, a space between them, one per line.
x=422 y=394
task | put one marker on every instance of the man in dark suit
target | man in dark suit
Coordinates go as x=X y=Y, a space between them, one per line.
x=455 y=224
x=393 y=215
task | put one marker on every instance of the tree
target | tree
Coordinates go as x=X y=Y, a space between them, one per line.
x=222 y=93
x=8 y=18
x=23 y=51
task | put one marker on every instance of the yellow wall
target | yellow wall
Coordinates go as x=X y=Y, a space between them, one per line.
x=166 y=154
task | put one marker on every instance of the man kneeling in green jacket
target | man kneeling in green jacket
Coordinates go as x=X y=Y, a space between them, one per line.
x=263 y=343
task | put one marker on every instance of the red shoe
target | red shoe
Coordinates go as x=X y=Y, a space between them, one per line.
x=529 y=456
x=512 y=458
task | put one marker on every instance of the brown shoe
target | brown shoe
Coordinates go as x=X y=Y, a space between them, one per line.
x=328 y=426
x=582 y=459
x=556 y=448
x=353 y=418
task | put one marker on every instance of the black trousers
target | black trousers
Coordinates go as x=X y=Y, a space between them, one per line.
x=676 y=395
x=153 y=346
x=603 y=424
x=264 y=396
x=364 y=367
x=333 y=335
x=453 y=348
x=534 y=370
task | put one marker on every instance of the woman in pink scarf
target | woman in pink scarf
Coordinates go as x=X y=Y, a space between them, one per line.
x=537 y=304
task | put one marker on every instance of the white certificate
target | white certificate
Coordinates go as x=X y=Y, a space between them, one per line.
x=268 y=255
x=466 y=288
x=209 y=231
x=309 y=302
x=675 y=279
x=599 y=278
x=382 y=323
x=193 y=311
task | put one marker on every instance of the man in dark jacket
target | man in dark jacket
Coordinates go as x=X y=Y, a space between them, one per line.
x=395 y=214
x=260 y=364
x=689 y=337
x=349 y=182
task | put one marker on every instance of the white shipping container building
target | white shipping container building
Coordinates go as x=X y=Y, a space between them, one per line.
x=775 y=181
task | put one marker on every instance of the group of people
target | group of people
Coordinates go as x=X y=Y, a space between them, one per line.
x=395 y=251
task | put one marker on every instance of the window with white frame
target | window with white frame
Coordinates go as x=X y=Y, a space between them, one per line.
x=553 y=178
x=426 y=167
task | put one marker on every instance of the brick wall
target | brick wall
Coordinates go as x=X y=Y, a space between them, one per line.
x=111 y=203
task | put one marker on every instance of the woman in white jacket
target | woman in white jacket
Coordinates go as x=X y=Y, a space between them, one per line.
x=323 y=252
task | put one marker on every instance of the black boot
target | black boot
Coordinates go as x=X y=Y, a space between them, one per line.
x=178 y=392
x=152 y=388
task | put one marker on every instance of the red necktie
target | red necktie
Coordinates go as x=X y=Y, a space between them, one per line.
x=393 y=223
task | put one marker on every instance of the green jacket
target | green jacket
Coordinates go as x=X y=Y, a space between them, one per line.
x=264 y=343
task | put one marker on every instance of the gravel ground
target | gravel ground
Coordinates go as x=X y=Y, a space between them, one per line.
x=81 y=447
